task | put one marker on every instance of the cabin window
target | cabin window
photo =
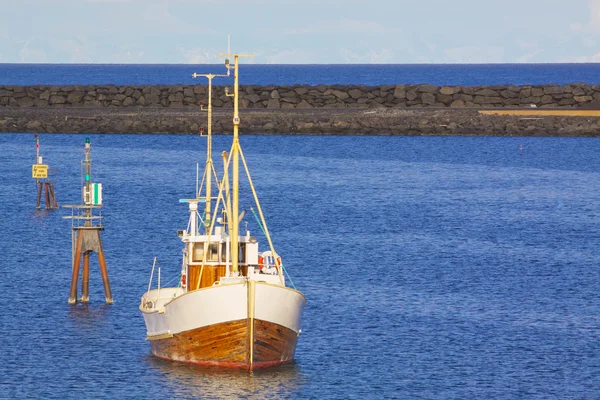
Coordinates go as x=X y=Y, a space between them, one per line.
x=198 y=252
x=213 y=252
x=242 y=253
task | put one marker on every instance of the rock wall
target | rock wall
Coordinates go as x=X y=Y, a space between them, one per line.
x=316 y=121
x=304 y=97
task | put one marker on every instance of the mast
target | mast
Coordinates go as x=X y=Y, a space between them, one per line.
x=209 y=163
x=235 y=153
x=236 y=171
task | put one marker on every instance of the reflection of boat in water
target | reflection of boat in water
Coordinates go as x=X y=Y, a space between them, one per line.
x=185 y=381
x=232 y=307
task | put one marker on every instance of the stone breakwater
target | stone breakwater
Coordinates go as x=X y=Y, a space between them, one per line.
x=354 y=110
x=305 y=97
x=316 y=121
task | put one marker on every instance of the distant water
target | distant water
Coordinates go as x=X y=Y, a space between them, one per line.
x=434 y=267
x=371 y=75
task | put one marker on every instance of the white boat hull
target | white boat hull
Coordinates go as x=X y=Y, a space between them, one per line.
x=245 y=325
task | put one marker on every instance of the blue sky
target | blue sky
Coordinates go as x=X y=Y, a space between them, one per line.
x=300 y=31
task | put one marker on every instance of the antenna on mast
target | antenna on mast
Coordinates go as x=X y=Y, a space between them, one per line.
x=228 y=48
x=209 y=165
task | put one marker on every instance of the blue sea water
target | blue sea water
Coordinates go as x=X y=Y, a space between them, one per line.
x=343 y=74
x=434 y=267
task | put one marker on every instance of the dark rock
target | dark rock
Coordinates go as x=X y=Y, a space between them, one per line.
x=582 y=99
x=339 y=94
x=509 y=94
x=56 y=100
x=449 y=90
x=428 y=89
x=176 y=97
x=25 y=102
x=428 y=98
x=75 y=97
x=253 y=98
x=486 y=93
x=273 y=104
x=553 y=90
x=458 y=104
x=411 y=95
x=537 y=92
x=33 y=125
x=356 y=93
x=482 y=100
x=444 y=98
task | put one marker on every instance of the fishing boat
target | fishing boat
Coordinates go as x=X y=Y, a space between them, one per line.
x=232 y=306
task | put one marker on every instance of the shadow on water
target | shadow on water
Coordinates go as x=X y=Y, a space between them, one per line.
x=187 y=380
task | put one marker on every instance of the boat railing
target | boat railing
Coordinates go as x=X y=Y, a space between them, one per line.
x=157 y=298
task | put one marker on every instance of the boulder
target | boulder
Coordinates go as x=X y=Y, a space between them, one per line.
x=554 y=90
x=33 y=125
x=509 y=94
x=463 y=97
x=301 y=90
x=524 y=93
x=273 y=104
x=487 y=100
x=75 y=97
x=457 y=104
x=339 y=94
x=428 y=89
x=253 y=98
x=428 y=98
x=537 y=92
x=486 y=93
x=55 y=99
x=583 y=99
x=444 y=98
x=356 y=93
x=303 y=104
x=174 y=98
x=399 y=92
x=448 y=90
x=25 y=102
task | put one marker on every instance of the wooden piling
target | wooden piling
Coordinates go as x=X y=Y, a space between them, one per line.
x=85 y=278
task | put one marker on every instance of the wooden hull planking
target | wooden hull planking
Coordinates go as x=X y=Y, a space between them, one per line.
x=228 y=345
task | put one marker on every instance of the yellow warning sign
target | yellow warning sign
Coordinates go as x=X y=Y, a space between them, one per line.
x=39 y=171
